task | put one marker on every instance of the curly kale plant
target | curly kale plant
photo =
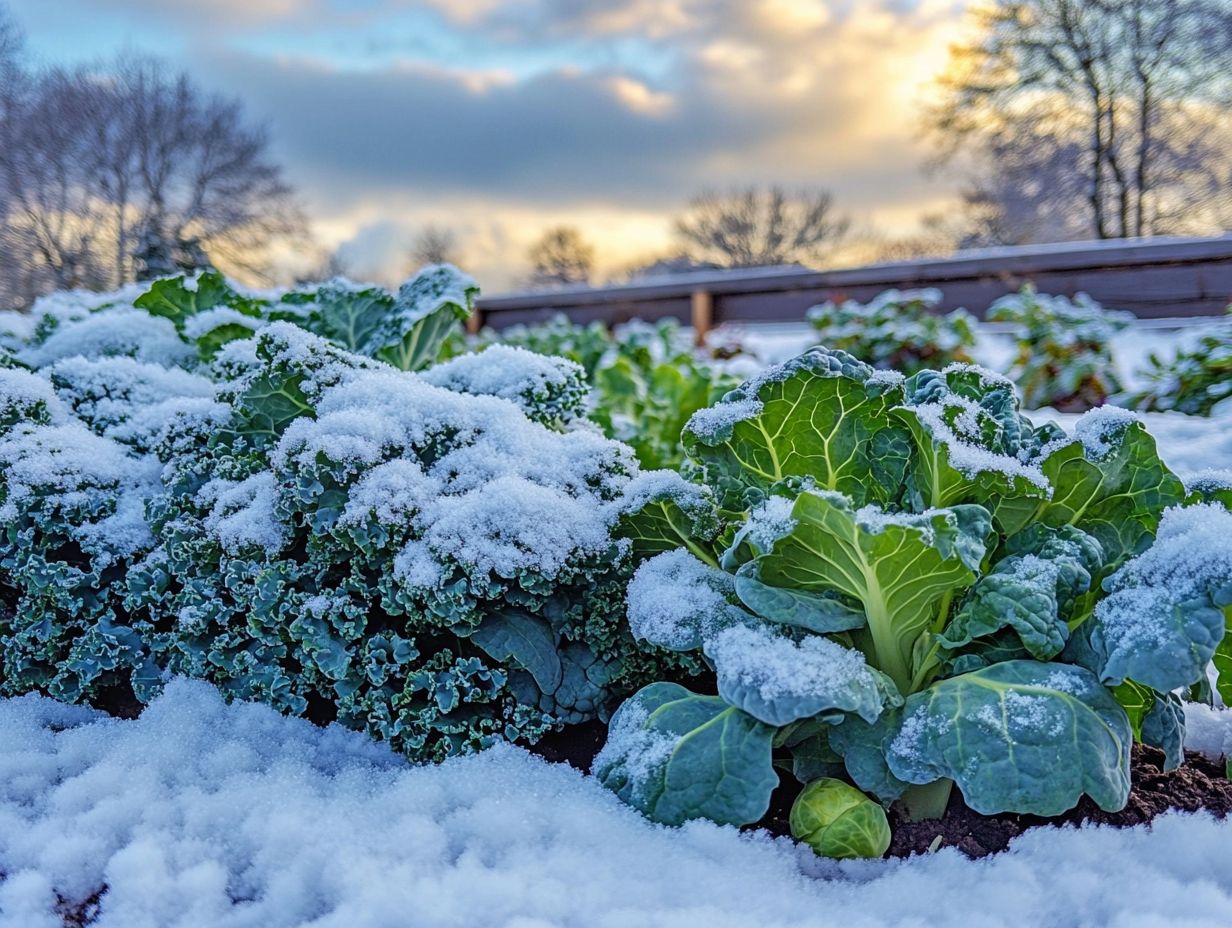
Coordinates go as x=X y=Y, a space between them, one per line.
x=898 y=330
x=1064 y=348
x=425 y=555
x=904 y=584
x=71 y=523
x=1193 y=380
x=348 y=541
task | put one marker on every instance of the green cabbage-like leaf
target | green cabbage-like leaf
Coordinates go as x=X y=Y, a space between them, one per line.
x=779 y=681
x=427 y=309
x=1030 y=592
x=815 y=612
x=863 y=747
x=1021 y=736
x=822 y=415
x=1111 y=483
x=347 y=315
x=898 y=567
x=676 y=756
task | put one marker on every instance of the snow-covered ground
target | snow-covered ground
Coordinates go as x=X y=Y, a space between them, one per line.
x=199 y=814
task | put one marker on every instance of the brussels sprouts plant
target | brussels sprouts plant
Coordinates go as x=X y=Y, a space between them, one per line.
x=1064 y=348
x=906 y=584
x=898 y=330
x=1193 y=380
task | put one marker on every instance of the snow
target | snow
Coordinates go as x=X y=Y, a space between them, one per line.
x=676 y=601
x=242 y=513
x=200 y=815
x=966 y=457
x=780 y=669
x=510 y=373
x=1190 y=558
x=122 y=332
x=1208 y=730
x=88 y=481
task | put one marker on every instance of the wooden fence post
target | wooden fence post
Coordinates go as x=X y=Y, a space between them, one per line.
x=702 y=304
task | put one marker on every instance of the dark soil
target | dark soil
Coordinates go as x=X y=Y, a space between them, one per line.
x=1198 y=784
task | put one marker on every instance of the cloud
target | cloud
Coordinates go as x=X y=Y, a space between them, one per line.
x=507 y=116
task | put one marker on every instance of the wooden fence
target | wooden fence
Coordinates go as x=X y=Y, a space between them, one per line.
x=1152 y=278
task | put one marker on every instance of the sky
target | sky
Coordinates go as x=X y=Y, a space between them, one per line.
x=501 y=118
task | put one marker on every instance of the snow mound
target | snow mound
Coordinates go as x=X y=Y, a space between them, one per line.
x=200 y=814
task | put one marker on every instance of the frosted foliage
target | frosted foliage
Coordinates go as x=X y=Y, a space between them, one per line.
x=662 y=484
x=390 y=493
x=639 y=750
x=242 y=514
x=510 y=373
x=482 y=486
x=776 y=668
x=200 y=814
x=122 y=332
x=954 y=423
x=769 y=521
x=108 y=392
x=204 y=322
x=712 y=421
x=1098 y=427
x=88 y=481
x=26 y=396
x=1188 y=444
x=511 y=525
x=676 y=601
x=1191 y=555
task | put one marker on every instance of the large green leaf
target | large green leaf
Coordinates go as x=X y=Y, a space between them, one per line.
x=662 y=512
x=676 y=756
x=863 y=747
x=816 y=612
x=179 y=298
x=1021 y=736
x=1163 y=727
x=527 y=640
x=822 y=415
x=1223 y=660
x=1111 y=483
x=427 y=309
x=898 y=567
x=1030 y=591
x=779 y=681
x=348 y=316
x=970 y=445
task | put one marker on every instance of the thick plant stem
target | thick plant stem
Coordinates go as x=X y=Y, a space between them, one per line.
x=927 y=801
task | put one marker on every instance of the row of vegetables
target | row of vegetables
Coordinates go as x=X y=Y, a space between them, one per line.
x=885 y=586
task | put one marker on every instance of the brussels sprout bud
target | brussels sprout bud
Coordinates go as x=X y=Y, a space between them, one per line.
x=837 y=820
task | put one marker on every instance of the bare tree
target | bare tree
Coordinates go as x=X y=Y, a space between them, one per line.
x=752 y=226
x=561 y=257
x=107 y=173
x=435 y=245
x=1126 y=96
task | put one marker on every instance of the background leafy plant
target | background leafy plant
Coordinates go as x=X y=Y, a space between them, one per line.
x=898 y=330
x=1193 y=380
x=1064 y=348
